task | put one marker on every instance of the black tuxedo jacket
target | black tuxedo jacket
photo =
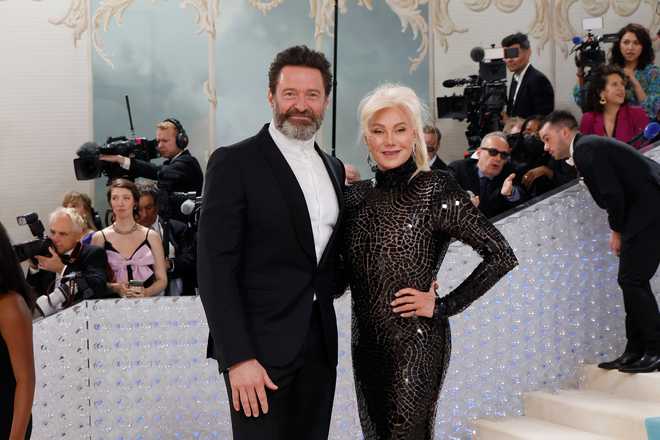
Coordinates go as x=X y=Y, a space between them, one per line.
x=257 y=268
x=181 y=174
x=91 y=261
x=466 y=173
x=621 y=180
x=535 y=96
x=439 y=164
x=183 y=240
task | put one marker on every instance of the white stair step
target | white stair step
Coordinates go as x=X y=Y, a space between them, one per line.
x=644 y=386
x=528 y=428
x=592 y=411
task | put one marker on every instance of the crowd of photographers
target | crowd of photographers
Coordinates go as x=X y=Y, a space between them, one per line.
x=148 y=246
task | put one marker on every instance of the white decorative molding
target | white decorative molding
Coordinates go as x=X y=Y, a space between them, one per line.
x=411 y=16
x=75 y=18
x=265 y=6
x=104 y=13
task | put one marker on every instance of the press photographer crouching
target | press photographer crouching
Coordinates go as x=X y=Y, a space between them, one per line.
x=180 y=172
x=178 y=241
x=73 y=272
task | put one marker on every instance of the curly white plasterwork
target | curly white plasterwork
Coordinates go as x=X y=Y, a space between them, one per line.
x=265 y=6
x=104 y=13
x=207 y=11
x=75 y=18
x=323 y=13
x=411 y=16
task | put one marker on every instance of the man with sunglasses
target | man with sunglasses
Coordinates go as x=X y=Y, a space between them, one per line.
x=490 y=178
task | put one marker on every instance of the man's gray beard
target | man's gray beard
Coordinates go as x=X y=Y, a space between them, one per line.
x=303 y=132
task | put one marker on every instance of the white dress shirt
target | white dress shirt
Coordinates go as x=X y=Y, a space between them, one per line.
x=313 y=178
x=519 y=79
x=570 y=160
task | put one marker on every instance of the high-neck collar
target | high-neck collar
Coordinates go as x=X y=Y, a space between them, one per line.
x=396 y=177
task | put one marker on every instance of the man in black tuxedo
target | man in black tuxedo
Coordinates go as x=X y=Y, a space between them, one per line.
x=433 y=137
x=268 y=261
x=627 y=185
x=178 y=242
x=68 y=256
x=530 y=92
x=490 y=178
x=179 y=173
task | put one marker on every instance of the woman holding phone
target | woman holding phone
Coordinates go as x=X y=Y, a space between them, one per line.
x=135 y=253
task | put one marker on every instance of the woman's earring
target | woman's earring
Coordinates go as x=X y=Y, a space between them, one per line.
x=603 y=101
x=370 y=162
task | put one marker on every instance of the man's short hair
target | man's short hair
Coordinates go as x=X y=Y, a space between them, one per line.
x=494 y=134
x=561 y=118
x=517 y=38
x=300 y=56
x=78 y=224
x=433 y=129
x=148 y=189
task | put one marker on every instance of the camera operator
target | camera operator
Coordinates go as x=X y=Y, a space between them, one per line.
x=179 y=173
x=68 y=256
x=530 y=92
x=180 y=258
x=633 y=52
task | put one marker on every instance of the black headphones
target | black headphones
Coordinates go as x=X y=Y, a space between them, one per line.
x=181 y=135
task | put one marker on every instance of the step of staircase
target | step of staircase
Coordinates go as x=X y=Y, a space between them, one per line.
x=529 y=428
x=629 y=386
x=592 y=411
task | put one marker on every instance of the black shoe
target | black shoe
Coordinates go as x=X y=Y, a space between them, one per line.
x=624 y=360
x=647 y=364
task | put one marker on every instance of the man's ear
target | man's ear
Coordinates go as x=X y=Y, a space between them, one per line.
x=270 y=97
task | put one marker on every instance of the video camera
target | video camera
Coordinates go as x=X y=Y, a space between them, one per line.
x=484 y=96
x=588 y=51
x=30 y=249
x=88 y=165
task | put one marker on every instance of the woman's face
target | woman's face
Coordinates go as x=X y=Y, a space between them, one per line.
x=533 y=127
x=390 y=137
x=122 y=202
x=630 y=46
x=615 y=89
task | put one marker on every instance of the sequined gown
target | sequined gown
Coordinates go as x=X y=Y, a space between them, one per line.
x=397 y=233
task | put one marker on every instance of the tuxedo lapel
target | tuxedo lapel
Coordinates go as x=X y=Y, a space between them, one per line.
x=291 y=192
x=337 y=184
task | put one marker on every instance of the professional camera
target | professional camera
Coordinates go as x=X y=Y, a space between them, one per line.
x=484 y=96
x=71 y=289
x=30 y=249
x=588 y=50
x=88 y=165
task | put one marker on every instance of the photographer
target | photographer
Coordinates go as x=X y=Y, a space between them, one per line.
x=530 y=92
x=632 y=51
x=179 y=173
x=68 y=255
x=178 y=240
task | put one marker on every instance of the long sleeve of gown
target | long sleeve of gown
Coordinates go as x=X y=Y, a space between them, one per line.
x=455 y=215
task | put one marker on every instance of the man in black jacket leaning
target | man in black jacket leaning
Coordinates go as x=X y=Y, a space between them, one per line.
x=68 y=257
x=627 y=185
x=530 y=92
x=268 y=260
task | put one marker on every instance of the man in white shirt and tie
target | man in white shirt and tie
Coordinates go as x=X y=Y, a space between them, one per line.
x=268 y=264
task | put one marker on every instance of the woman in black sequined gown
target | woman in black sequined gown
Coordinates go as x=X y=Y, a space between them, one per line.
x=398 y=228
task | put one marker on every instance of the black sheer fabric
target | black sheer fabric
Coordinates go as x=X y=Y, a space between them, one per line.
x=398 y=228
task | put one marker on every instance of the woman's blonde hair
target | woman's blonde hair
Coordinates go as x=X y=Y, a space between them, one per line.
x=73 y=197
x=404 y=98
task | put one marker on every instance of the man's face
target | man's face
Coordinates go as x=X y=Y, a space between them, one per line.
x=62 y=234
x=148 y=211
x=556 y=140
x=517 y=64
x=299 y=102
x=432 y=143
x=166 y=138
x=492 y=166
